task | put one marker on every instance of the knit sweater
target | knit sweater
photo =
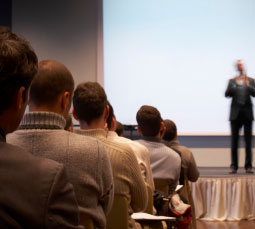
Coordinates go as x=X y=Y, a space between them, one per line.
x=86 y=160
x=142 y=155
x=128 y=180
x=165 y=163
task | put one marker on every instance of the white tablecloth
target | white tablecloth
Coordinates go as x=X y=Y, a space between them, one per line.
x=227 y=198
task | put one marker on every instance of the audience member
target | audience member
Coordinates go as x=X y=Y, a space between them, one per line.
x=119 y=129
x=141 y=152
x=188 y=163
x=35 y=192
x=42 y=133
x=189 y=171
x=69 y=123
x=91 y=110
x=165 y=163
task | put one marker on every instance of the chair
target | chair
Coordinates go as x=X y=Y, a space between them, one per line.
x=86 y=221
x=149 y=208
x=118 y=216
x=162 y=185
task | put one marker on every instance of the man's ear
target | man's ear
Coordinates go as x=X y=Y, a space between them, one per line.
x=106 y=112
x=19 y=100
x=162 y=129
x=139 y=131
x=65 y=101
x=74 y=115
x=114 y=123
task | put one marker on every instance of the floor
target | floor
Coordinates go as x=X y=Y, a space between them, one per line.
x=244 y=224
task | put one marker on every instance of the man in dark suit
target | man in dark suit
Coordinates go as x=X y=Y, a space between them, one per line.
x=241 y=88
x=34 y=192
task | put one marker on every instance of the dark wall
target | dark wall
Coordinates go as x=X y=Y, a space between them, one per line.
x=6 y=13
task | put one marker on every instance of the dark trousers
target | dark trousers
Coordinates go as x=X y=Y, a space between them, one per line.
x=235 y=128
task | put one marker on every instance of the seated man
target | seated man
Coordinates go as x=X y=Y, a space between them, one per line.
x=188 y=163
x=141 y=152
x=35 y=192
x=189 y=171
x=165 y=163
x=42 y=134
x=91 y=110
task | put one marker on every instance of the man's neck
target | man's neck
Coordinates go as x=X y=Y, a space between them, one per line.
x=6 y=125
x=95 y=124
x=43 y=108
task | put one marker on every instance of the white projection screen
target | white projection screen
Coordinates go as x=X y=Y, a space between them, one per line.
x=177 y=56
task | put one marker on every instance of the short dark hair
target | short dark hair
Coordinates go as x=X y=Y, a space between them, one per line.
x=119 y=128
x=149 y=120
x=110 y=116
x=18 y=66
x=89 y=101
x=171 y=130
x=52 y=79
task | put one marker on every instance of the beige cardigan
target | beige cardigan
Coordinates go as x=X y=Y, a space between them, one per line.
x=126 y=172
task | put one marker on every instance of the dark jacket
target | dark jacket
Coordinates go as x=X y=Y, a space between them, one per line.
x=241 y=98
x=34 y=192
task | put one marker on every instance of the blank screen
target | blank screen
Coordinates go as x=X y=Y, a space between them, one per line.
x=177 y=56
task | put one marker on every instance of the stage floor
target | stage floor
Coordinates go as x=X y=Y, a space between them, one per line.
x=222 y=172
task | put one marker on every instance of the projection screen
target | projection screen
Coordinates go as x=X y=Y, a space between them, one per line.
x=177 y=56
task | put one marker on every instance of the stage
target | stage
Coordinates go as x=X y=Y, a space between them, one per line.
x=221 y=196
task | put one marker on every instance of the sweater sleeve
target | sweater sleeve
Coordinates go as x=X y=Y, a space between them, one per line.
x=138 y=190
x=105 y=180
x=61 y=207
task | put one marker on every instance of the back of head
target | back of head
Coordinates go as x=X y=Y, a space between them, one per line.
x=18 y=66
x=171 y=130
x=89 y=101
x=149 y=120
x=119 y=128
x=52 y=79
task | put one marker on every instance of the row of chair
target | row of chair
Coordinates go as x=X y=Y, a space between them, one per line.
x=119 y=218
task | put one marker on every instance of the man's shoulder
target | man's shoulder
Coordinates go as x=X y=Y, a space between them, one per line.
x=169 y=151
x=16 y=155
x=119 y=147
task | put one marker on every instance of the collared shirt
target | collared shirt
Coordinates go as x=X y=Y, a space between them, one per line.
x=165 y=162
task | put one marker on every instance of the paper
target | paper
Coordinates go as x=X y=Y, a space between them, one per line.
x=178 y=187
x=145 y=216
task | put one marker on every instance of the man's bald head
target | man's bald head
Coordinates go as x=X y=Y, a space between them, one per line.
x=52 y=79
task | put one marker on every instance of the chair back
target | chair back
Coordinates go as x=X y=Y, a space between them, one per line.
x=162 y=185
x=86 y=221
x=118 y=216
x=149 y=208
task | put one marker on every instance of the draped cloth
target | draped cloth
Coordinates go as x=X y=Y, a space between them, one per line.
x=225 y=198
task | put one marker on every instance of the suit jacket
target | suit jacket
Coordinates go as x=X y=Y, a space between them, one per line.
x=241 y=98
x=34 y=192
